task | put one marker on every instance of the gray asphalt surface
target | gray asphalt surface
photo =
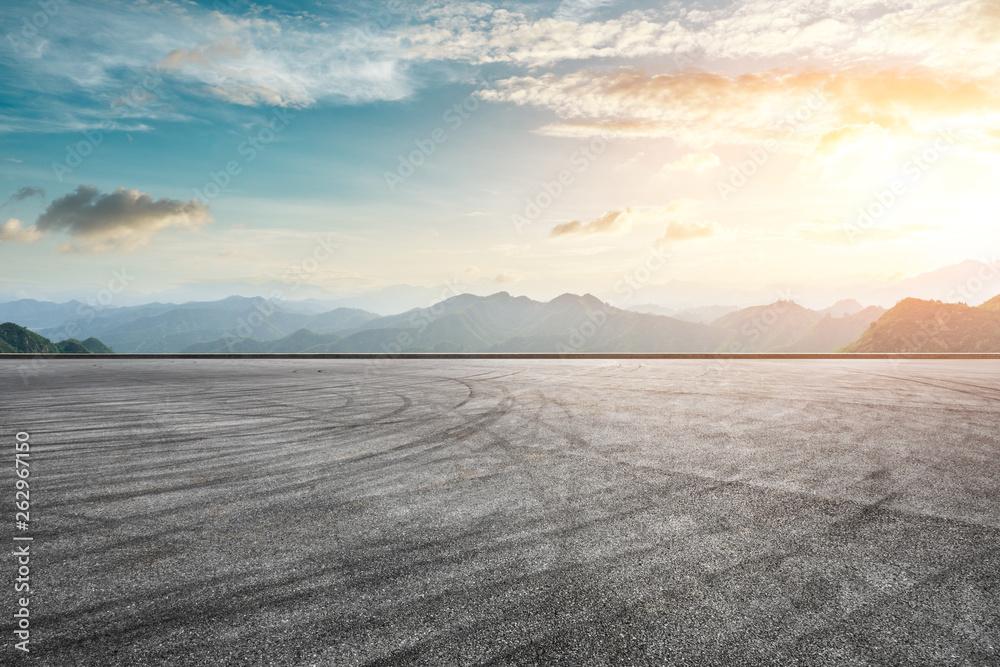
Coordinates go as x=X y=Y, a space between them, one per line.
x=436 y=512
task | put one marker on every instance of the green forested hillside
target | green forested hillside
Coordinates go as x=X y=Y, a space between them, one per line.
x=15 y=339
x=96 y=346
x=18 y=339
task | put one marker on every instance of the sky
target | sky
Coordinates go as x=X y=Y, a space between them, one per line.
x=532 y=147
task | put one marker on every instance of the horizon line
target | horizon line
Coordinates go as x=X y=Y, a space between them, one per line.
x=514 y=355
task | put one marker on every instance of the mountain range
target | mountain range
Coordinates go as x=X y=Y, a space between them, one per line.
x=463 y=323
x=970 y=281
x=567 y=324
x=166 y=327
x=497 y=323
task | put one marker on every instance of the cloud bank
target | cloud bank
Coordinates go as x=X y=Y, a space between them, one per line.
x=121 y=220
x=802 y=110
x=258 y=62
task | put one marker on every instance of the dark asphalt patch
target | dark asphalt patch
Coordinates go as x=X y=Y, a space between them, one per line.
x=479 y=511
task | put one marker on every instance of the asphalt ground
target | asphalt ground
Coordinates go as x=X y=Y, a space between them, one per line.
x=506 y=512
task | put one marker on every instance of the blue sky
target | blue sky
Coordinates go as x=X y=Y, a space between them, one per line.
x=775 y=146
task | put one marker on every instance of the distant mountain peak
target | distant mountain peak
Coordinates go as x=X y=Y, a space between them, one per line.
x=992 y=304
x=842 y=308
x=568 y=297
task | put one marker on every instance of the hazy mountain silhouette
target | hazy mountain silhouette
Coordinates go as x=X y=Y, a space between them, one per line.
x=303 y=297
x=302 y=340
x=842 y=308
x=39 y=314
x=567 y=324
x=701 y=314
x=161 y=327
x=762 y=328
x=970 y=280
x=829 y=333
x=785 y=326
x=463 y=323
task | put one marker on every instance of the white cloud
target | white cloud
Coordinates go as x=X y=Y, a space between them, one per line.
x=14 y=231
x=299 y=59
x=805 y=111
x=930 y=33
x=97 y=52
